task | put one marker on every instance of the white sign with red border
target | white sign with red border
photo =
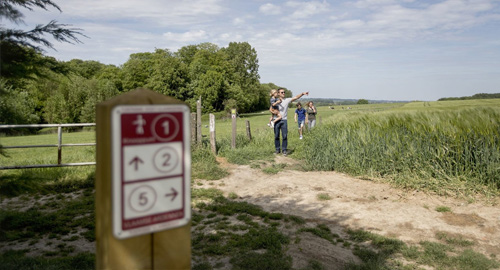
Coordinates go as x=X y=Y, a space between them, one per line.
x=151 y=172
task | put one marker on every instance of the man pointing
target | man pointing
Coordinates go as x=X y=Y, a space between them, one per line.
x=282 y=125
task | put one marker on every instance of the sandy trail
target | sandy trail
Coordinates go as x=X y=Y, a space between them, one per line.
x=363 y=204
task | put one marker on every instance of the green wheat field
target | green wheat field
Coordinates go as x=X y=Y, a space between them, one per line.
x=446 y=147
x=449 y=148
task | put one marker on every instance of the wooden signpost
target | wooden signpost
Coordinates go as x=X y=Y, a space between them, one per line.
x=143 y=176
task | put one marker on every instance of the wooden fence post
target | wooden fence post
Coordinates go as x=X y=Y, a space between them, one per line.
x=198 y=120
x=233 y=137
x=59 y=143
x=249 y=133
x=212 y=134
x=193 y=128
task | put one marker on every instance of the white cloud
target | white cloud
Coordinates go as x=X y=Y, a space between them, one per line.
x=351 y=24
x=223 y=39
x=270 y=9
x=307 y=9
x=238 y=21
x=125 y=49
x=373 y=3
x=285 y=39
x=390 y=21
x=445 y=15
x=159 y=12
x=187 y=37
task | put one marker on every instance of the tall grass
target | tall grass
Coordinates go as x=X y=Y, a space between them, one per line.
x=204 y=164
x=414 y=148
x=261 y=147
x=440 y=146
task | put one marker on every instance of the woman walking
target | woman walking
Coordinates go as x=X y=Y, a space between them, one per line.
x=311 y=115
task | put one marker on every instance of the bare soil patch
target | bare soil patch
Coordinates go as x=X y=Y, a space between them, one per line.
x=373 y=206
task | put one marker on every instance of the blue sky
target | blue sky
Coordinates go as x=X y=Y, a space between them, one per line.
x=371 y=49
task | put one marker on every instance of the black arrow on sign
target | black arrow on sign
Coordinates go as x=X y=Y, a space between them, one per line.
x=173 y=194
x=136 y=160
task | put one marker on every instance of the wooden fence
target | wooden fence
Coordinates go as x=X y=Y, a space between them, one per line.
x=196 y=137
x=59 y=146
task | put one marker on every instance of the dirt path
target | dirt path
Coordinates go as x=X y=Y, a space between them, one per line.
x=354 y=203
x=362 y=204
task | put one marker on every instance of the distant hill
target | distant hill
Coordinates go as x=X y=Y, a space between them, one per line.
x=476 y=96
x=339 y=101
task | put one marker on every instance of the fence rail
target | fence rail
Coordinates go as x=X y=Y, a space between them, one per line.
x=59 y=146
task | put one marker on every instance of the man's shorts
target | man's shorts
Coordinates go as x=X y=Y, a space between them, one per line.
x=301 y=123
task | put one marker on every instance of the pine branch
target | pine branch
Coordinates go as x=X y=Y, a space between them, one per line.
x=34 y=37
x=9 y=10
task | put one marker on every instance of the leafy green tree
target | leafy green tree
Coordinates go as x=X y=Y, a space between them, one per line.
x=97 y=91
x=75 y=98
x=85 y=69
x=208 y=68
x=16 y=107
x=31 y=91
x=229 y=104
x=55 y=109
x=114 y=74
x=39 y=90
x=363 y=101
x=243 y=76
x=169 y=76
x=211 y=88
x=206 y=58
x=137 y=70
x=244 y=64
x=203 y=70
x=264 y=96
x=186 y=54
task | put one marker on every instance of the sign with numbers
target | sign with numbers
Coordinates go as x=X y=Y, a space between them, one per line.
x=151 y=168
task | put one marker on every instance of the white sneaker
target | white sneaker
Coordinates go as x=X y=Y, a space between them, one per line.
x=300 y=137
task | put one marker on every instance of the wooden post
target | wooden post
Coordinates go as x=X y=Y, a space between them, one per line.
x=169 y=249
x=198 y=120
x=59 y=143
x=233 y=137
x=249 y=133
x=212 y=134
x=193 y=128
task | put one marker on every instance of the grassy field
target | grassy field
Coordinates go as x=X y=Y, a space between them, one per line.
x=447 y=147
x=48 y=155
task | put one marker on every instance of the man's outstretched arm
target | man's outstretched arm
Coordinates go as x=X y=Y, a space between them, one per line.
x=299 y=95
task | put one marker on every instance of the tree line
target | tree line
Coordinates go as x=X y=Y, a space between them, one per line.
x=476 y=96
x=35 y=88
x=67 y=92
